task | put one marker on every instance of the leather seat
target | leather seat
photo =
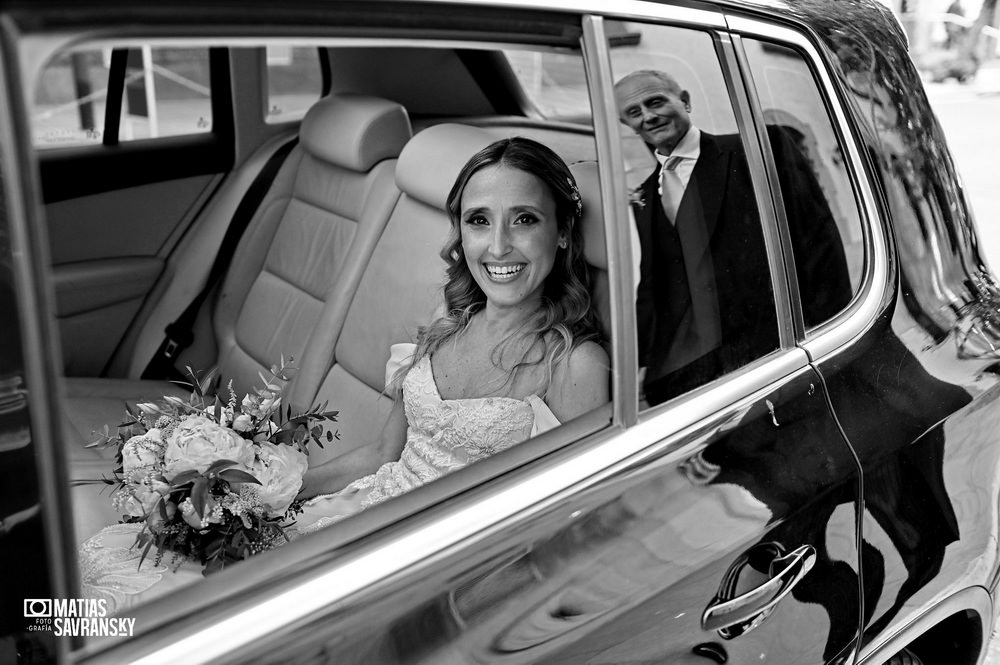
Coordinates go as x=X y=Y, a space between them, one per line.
x=594 y=245
x=399 y=290
x=294 y=272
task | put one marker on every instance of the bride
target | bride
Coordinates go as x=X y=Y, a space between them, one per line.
x=516 y=353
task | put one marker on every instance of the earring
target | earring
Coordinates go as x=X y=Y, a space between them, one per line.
x=562 y=244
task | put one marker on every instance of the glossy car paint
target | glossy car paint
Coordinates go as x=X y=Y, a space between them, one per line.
x=599 y=553
x=916 y=392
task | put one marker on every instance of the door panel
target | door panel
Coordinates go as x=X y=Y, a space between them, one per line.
x=622 y=571
x=139 y=167
x=95 y=303
x=137 y=221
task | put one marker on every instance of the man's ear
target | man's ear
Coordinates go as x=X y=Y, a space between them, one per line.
x=686 y=98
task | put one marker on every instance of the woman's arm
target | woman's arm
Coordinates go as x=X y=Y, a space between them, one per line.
x=336 y=473
x=579 y=383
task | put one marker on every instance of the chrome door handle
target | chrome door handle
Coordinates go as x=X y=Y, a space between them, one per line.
x=732 y=617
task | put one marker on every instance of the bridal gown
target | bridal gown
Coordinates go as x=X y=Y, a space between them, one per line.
x=443 y=435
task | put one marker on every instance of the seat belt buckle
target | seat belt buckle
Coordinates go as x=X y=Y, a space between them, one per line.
x=170 y=349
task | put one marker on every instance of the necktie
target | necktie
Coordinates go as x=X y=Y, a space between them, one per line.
x=671 y=187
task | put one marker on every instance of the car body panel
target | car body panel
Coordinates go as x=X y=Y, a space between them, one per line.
x=609 y=550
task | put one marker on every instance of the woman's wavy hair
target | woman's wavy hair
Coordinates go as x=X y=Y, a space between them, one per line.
x=565 y=318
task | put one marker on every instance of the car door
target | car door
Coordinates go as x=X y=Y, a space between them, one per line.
x=131 y=142
x=717 y=526
x=914 y=427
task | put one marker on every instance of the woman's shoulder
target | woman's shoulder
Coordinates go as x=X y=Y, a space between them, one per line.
x=579 y=382
x=587 y=357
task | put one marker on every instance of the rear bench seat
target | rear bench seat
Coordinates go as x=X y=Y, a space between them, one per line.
x=291 y=279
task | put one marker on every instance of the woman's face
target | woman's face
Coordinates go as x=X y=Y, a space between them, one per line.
x=510 y=234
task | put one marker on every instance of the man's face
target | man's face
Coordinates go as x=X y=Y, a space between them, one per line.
x=655 y=110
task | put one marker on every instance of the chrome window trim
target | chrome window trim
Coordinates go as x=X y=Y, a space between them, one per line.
x=836 y=334
x=635 y=9
x=614 y=195
x=416 y=545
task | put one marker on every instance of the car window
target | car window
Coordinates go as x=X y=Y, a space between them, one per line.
x=704 y=301
x=294 y=81
x=166 y=93
x=554 y=82
x=819 y=202
x=373 y=214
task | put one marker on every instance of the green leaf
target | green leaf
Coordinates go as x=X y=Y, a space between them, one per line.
x=238 y=476
x=219 y=465
x=184 y=477
x=199 y=496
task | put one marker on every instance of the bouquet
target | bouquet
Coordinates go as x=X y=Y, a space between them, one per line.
x=213 y=482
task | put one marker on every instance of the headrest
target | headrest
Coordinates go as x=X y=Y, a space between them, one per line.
x=430 y=162
x=592 y=223
x=355 y=131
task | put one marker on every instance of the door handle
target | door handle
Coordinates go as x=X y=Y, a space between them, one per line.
x=733 y=616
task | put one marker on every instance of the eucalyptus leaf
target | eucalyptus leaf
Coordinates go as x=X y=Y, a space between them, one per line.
x=184 y=477
x=238 y=476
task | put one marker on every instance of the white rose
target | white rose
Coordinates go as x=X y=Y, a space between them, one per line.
x=242 y=423
x=142 y=454
x=140 y=503
x=279 y=470
x=191 y=517
x=198 y=441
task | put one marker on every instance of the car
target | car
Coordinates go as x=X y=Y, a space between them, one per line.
x=828 y=494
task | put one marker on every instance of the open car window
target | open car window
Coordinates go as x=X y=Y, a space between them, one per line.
x=343 y=251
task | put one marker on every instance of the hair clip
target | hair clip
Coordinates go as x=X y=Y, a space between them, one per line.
x=574 y=193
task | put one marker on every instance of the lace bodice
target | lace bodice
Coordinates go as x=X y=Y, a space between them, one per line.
x=444 y=435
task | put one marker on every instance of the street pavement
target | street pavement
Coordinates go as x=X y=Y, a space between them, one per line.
x=970 y=117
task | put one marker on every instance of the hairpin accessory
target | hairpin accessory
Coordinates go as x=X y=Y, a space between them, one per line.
x=574 y=193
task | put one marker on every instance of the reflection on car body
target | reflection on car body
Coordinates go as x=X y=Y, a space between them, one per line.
x=831 y=498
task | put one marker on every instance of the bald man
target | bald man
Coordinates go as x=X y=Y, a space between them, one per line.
x=704 y=303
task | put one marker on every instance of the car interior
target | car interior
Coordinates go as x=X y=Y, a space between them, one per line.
x=340 y=259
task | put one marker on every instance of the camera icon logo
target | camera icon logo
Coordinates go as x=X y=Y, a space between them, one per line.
x=36 y=608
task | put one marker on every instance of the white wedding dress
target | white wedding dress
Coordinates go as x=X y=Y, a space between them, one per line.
x=442 y=436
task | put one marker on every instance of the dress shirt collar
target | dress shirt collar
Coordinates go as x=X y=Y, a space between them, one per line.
x=688 y=147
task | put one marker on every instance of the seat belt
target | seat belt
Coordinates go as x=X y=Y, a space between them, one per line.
x=179 y=334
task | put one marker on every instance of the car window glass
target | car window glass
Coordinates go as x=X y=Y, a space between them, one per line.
x=554 y=82
x=816 y=191
x=167 y=93
x=704 y=300
x=396 y=288
x=294 y=81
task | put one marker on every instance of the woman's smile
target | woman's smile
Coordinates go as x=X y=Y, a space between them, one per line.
x=504 y=272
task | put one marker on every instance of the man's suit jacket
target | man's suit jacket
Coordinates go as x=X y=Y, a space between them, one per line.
x=722 y=243
x=728 y=311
